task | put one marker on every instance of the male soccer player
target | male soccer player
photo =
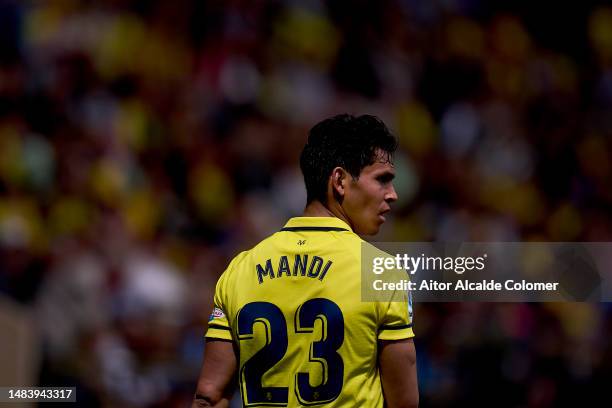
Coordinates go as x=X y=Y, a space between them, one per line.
x=288 y=317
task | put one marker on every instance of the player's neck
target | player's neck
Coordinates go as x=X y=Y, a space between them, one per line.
x=317 y=209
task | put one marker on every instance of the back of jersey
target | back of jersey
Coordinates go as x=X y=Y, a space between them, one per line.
x=293 y=307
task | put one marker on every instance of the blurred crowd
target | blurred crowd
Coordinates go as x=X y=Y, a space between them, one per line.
x=144 y=143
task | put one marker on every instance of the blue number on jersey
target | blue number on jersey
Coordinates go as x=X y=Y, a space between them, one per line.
x=326 y=349
x=253 y=370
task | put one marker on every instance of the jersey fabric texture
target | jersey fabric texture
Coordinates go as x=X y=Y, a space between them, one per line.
x=292 y=306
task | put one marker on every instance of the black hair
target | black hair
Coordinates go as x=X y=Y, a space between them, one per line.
x=350 y=142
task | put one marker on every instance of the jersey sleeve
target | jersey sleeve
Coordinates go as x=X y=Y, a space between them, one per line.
x=218 y=323
x=396 y=320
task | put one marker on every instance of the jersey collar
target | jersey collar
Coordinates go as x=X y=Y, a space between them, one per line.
x=309 y=223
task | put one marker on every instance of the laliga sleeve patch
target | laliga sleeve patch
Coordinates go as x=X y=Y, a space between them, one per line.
x=217 y=313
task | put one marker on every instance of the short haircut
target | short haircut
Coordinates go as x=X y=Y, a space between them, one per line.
x=350 y=142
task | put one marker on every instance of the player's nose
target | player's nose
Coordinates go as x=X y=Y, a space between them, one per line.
x=391 y=195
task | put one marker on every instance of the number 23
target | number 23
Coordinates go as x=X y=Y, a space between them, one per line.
x=323 y=351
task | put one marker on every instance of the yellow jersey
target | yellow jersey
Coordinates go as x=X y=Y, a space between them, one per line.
x=292 y=306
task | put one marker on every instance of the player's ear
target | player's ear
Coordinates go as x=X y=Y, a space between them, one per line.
x=338 y=182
